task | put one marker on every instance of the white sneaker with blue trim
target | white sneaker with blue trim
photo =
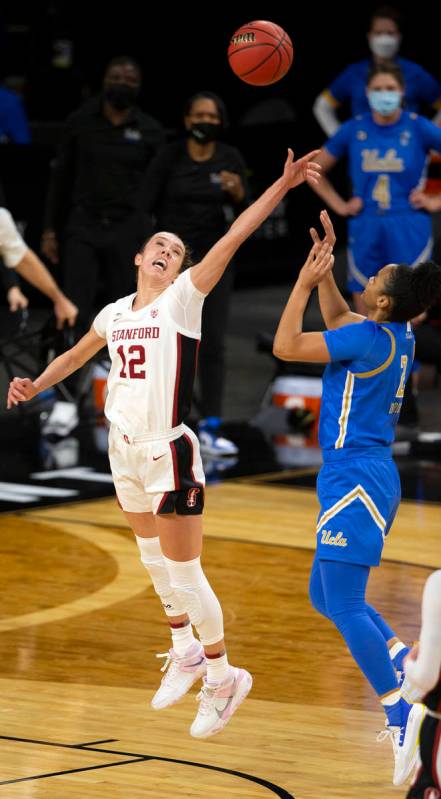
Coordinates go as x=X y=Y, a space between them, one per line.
x=405 y=743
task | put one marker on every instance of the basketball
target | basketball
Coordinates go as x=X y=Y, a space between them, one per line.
x=260 y=53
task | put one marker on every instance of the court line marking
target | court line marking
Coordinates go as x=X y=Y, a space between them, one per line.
x=126 y=583
x=136 y=758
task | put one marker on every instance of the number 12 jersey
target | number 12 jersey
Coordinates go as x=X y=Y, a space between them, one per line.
x=154 y=354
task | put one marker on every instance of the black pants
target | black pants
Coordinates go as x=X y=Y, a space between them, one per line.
x=99 y=251
x=428 y=780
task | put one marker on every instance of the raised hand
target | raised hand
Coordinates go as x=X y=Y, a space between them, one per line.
x=327 y=225
x=305 y=169
x=317 y=265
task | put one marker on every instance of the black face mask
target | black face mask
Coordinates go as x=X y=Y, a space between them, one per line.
x=120 y=96
x=205 y=132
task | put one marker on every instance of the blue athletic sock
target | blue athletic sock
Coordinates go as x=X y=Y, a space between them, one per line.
x=399 y=657
x=397 y=714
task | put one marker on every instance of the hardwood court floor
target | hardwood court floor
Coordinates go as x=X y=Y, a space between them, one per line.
x=80 y=626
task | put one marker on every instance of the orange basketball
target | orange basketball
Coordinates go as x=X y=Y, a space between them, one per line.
x=260 y=53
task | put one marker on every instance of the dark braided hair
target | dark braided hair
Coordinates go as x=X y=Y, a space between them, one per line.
x=413 y=290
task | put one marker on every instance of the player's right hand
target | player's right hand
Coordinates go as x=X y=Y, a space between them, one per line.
x=20 y=390
x=328 y=228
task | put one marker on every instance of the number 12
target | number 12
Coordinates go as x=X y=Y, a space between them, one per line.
x=133 y=363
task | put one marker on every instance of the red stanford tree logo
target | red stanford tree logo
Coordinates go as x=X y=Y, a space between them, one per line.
x=191 y=497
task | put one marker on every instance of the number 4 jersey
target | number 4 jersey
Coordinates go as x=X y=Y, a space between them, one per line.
x=363 y=386
x=386 y=162
x=154 y=356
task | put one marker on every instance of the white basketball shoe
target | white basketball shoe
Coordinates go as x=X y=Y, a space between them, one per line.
x=180 y=674
x=217 y=703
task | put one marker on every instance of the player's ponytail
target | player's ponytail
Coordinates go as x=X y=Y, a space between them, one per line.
x=413 y=290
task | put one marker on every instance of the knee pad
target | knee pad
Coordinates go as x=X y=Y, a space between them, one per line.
x=194 y=592
x=153 y=560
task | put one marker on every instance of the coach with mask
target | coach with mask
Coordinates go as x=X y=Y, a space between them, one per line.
x=195 y=187
x=93 y=224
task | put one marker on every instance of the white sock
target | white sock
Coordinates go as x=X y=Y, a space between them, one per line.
x=396 y=648
x=218 y=669
x=182 y=637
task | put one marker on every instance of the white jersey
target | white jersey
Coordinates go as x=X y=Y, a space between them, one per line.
x=12 y=246
x=154 y=357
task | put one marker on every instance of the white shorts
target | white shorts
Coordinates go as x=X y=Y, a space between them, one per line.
x=160 y=475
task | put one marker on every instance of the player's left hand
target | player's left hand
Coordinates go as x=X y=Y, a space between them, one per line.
x=305 y=169
x=65 y=311
x=317 y=265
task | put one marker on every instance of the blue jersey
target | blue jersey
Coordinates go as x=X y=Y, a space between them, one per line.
x=386 y=162
x=350 y=85
x=363 y=386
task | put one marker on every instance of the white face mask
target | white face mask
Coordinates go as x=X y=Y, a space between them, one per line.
x=384 y=45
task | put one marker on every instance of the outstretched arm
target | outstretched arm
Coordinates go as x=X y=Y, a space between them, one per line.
x=22 y=388
x=290 y=343
x=334 y=308
x=208 y=272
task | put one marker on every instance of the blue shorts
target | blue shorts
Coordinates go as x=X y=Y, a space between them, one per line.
x=376 y=240
x=359 y=497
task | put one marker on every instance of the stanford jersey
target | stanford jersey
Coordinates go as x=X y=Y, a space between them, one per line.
x=154 y=356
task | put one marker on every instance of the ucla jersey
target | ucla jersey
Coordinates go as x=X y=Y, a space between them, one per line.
x=363 y=386
x=385 y=161
x=350 y=85
x=358 y=485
